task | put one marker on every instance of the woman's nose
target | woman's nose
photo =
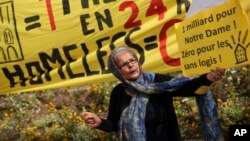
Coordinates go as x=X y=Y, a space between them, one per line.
x=130 y=64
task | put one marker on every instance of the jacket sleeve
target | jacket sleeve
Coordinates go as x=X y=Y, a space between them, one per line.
x=111 y=123
x=196 y=86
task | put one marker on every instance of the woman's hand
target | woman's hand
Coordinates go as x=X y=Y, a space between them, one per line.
x=216 y=74
x=91 y=119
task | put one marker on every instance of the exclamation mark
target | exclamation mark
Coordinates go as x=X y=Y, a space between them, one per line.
x=220 y=58
x=235 y=24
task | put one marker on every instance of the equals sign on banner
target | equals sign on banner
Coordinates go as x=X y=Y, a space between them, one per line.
x=150 y=42
x=32 y=21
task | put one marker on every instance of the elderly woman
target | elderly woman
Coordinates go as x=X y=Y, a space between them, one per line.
x=141 y=106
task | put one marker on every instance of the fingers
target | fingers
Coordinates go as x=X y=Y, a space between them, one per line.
x=90 y=122
x=91 y=119
x=216 y=74
x=88 y=118
x=219 y=71
x=85 y=114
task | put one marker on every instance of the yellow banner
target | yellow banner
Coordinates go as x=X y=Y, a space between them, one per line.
x=216 y=37
x=60 y=43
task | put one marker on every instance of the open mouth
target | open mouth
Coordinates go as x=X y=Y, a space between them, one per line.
x=132 y=72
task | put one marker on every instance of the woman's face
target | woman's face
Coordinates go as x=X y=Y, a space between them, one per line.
x=127 y=65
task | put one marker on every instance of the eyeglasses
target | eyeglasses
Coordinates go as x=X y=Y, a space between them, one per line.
x=126 y=64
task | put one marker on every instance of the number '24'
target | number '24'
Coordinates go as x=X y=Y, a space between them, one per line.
x=155 y=7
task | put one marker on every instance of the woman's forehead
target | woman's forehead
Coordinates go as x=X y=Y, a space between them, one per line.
x=123 y=55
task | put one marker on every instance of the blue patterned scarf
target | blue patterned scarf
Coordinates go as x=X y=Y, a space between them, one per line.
x=210 y=123
x=132 y=122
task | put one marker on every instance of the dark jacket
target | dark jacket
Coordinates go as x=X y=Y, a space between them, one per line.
x=161 y=122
